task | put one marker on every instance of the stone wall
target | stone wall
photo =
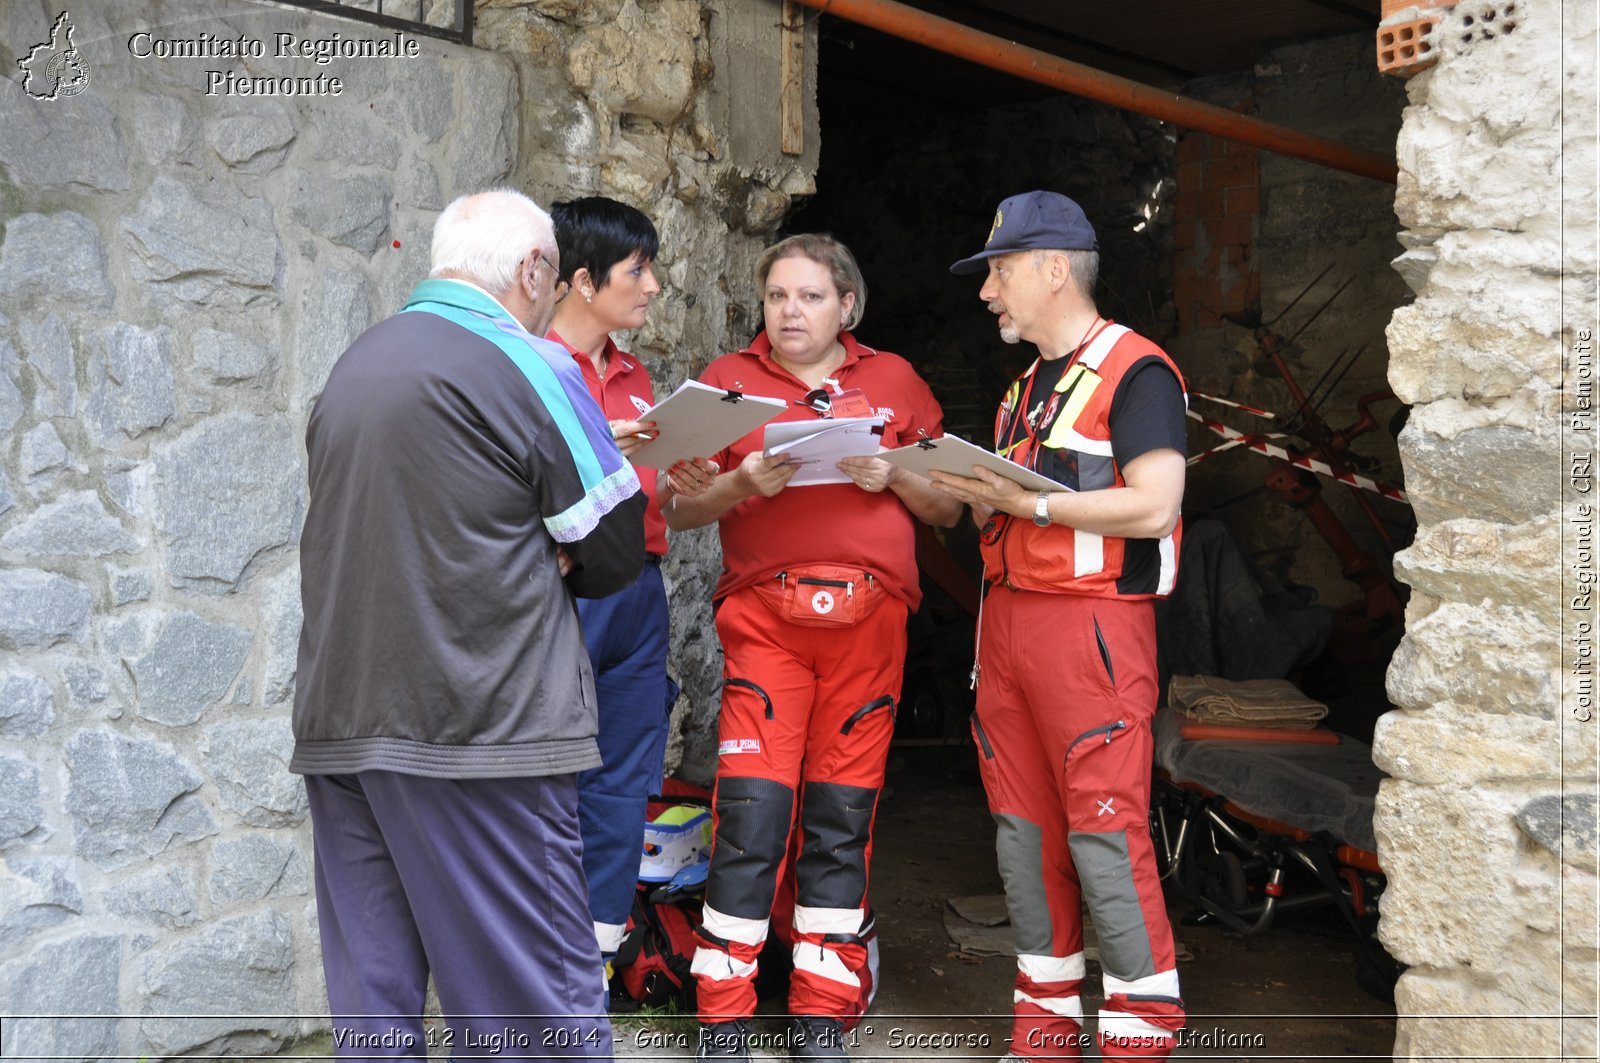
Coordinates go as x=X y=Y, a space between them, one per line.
x=178 y=271
x=1487 y=828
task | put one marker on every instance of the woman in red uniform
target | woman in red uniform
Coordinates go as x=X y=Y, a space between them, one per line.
x=817 y=581
x=607 y=257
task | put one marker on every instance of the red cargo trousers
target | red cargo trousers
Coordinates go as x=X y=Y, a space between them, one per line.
x=807 y=714
x=1066 y=691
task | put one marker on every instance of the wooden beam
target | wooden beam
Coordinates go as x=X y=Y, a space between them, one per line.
x=792 y=97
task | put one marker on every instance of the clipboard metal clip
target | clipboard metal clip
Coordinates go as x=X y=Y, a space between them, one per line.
x=925 y=443
x=733 y=396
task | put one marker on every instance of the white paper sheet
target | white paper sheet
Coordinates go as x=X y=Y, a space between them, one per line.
x=818 y=446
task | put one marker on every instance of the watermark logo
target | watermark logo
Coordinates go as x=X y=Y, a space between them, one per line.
x=55 y=68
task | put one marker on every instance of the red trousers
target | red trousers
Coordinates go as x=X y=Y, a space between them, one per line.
x=807 y=714
x=1066 y=691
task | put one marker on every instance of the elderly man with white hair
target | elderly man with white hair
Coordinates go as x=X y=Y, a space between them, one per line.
x=463 y=488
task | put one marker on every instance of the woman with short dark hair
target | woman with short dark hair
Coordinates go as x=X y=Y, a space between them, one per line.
x=608 y=254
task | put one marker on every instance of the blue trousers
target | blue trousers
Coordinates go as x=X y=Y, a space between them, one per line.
x=479 y=881
x=626 y=634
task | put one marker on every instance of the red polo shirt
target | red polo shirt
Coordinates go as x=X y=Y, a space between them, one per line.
x=624 y=395
x=827 y=523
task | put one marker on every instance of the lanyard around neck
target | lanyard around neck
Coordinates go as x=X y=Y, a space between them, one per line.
x=1089 y=336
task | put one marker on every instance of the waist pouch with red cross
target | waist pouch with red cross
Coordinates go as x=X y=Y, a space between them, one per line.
x=822 y=595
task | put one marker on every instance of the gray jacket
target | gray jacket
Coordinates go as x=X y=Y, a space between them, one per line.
x=439 y=638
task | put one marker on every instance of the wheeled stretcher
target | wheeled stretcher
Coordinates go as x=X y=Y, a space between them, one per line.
x=1248 y=825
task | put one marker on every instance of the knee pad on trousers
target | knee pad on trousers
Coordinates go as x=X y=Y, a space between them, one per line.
x=1019 y=845
x=836 y=823
x=1105 y=873
x=753 y=819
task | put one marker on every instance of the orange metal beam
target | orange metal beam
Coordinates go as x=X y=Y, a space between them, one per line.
x=940 y=34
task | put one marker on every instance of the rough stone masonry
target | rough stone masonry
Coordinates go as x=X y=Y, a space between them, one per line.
x=1487 y=828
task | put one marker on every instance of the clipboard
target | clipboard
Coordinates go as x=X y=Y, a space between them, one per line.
x=698 y=420
x=955 y=455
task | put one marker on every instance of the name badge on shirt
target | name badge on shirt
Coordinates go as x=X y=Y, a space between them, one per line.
x=852 y=403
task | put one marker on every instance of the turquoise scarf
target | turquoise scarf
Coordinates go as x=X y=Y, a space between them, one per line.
x=606 y=476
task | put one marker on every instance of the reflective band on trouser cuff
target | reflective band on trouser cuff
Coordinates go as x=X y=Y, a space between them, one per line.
x=1160 y=984
x=827 y=920
x=1066 y=1007
x=1118 y=1025
x=1053 y=968
x=719 y=966
x=732 y=928
x=610 y=936
x=823 y=963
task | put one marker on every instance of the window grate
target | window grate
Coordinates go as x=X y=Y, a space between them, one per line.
x=450 y=20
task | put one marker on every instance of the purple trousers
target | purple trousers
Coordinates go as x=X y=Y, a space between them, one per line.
x=479 y=881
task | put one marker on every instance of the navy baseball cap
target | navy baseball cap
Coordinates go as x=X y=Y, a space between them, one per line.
x=1033 y=221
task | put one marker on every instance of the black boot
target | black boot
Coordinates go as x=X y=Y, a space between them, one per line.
x=724 y=1040
x=817 y=1037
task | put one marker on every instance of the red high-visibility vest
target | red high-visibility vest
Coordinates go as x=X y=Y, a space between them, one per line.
x=1076 y=420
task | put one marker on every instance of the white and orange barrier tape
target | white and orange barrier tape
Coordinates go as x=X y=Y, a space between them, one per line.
x=1261 y=443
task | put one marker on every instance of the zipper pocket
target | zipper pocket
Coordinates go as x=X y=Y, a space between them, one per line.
x=1105 y=653
x=870 y=706
x=1108 y=730
x=745 y=684
x=848 y=586
x=983 y=739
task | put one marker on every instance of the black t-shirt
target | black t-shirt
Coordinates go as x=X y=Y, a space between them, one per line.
x=1147 y=413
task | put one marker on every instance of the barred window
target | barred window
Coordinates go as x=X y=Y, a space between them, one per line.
x=448 y=19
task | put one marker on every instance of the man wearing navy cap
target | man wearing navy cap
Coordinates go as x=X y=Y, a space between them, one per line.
x=1066 y=668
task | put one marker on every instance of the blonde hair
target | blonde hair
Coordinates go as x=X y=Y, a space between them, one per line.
x=828 y=253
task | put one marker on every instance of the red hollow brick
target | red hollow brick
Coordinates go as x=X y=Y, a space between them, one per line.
x=1406 y=48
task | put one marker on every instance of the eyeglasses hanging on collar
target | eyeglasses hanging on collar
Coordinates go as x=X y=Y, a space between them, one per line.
x=817 y=400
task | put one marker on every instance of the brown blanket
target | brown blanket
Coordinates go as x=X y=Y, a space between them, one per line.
x=1248 y=702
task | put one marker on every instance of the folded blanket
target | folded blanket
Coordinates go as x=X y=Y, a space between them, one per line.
x=1249 y=702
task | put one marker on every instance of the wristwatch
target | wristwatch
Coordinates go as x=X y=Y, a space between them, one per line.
x=1041 y=510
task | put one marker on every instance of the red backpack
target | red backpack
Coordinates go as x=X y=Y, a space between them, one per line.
x=652 y=964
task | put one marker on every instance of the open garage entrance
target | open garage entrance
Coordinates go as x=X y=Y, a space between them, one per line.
x=1269 y=281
